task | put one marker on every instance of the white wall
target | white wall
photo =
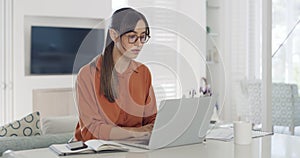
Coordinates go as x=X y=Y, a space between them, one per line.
x=24 y=85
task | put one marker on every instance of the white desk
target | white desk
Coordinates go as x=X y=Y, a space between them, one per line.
x=276 y=146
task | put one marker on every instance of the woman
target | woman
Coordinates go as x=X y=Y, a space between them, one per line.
x=114 y=93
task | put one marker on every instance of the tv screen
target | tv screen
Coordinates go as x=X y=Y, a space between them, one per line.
x=54 y=49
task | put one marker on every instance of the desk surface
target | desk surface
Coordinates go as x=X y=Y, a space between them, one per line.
x=276 y=146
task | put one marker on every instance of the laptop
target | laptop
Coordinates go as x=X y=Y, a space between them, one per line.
x=179 y=122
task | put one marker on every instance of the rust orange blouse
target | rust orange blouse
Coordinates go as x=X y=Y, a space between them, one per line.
x=135 y=105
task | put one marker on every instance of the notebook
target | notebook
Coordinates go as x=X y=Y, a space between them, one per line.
x=92 y=146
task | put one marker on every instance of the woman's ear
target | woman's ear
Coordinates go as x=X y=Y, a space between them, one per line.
x=113 y=34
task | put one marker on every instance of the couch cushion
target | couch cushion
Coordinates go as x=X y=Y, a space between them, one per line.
x=61 y=124
x=34 y=142
x=27 y=126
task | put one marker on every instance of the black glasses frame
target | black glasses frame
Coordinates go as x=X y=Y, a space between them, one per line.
x=147 y=37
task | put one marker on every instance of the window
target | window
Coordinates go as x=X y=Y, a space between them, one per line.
x=116 y=4
x=286 y=64
x=286 y=61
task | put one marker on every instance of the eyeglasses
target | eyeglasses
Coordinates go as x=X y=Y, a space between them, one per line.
x=133 y=38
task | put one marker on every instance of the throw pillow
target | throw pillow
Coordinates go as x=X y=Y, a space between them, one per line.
x=59 y=124
x=27 y=126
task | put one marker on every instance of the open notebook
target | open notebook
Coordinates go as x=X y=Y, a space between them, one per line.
x=92 y=146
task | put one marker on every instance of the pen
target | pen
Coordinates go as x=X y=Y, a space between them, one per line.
x=70 y=140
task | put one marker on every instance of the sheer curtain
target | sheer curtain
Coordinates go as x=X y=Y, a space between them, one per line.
x=6 y=75
x=286 y=62
x=116 y=4
x=2 y=62
x=242 y=54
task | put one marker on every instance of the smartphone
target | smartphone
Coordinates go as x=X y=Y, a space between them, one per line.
x=76 y=145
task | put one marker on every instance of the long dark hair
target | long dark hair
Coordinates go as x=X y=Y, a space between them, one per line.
x=123 y=21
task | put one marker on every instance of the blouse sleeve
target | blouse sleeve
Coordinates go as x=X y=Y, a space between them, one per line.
x=150 y=109
x=92 y=123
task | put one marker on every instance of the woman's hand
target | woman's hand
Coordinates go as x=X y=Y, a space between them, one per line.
x=140 y=133
x=137 y=136
x=146 y=128
x=137 y=133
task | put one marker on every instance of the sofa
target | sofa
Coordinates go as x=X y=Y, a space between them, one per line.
x=54 y=130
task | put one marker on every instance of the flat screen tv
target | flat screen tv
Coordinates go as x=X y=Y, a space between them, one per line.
x=62 y=50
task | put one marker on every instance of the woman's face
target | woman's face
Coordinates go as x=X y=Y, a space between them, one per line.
x=131 y=43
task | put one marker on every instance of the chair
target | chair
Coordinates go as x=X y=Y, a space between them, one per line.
x=285 y=104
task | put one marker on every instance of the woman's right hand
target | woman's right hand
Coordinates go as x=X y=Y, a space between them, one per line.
x=146 y=128
x=139 y=133
x=135 y=132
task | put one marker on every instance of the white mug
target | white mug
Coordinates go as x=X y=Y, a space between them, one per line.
x=243 y=151
x=242 y=132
